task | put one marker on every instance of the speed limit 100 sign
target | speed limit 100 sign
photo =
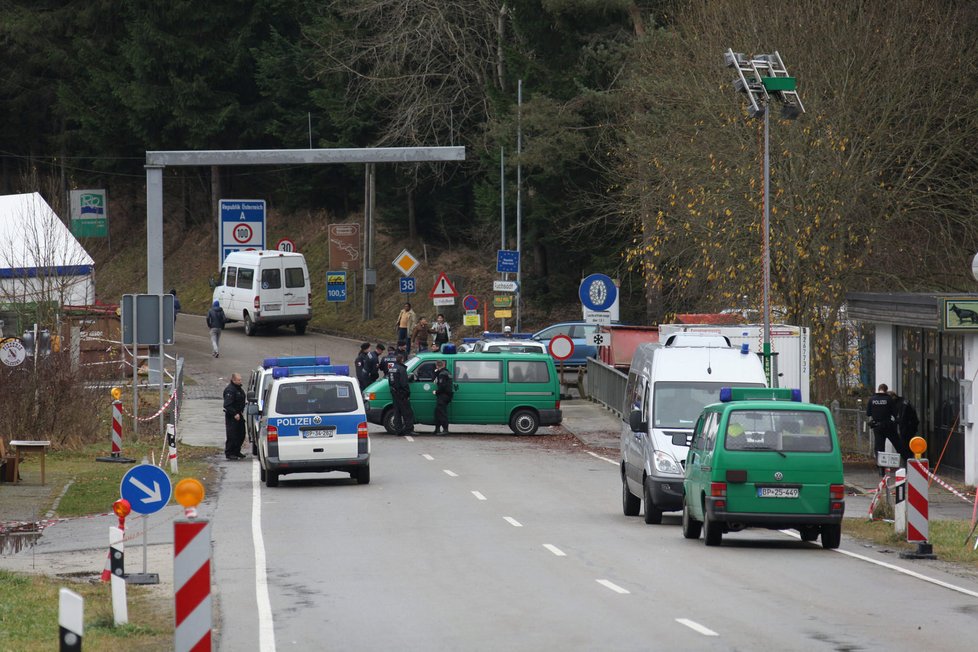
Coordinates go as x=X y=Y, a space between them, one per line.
x=561 y=347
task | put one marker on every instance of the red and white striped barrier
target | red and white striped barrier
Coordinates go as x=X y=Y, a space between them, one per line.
x=71 y=621
x=917 y=510
x=880 y=488
x=192 y=585
x=951 y=489
x=116 y=428
x=169 y=400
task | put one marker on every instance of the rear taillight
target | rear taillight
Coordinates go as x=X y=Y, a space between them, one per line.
x=718 y=490
x=272 y=433
x=837 y=496
x=257 y=302
x=362 y=430
x=557 y=405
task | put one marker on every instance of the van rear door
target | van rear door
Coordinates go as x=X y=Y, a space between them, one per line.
x=296 y=291
x=270 y=287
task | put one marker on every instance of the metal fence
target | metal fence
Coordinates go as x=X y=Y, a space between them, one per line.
x=606 y=385
x=855 y=436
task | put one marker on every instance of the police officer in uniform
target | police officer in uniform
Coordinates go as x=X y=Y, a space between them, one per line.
x=234 y=418
x=388 y=362
x=880 y=410
x=374 y=360
x=397 y=379
x=443 y=396
x=362 y=365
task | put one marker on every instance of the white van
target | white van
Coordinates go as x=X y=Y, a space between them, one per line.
x=669 y=383
x=265 y=288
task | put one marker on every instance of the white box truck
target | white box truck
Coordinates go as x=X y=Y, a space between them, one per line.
x=791 y=343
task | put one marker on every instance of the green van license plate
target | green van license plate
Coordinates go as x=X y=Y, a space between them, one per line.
x=777 y=492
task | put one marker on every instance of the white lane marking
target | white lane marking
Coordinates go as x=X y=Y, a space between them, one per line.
x=602 y=458
x=512 y=521
x=408 y=438
x=696 y=627
x=611 y=585
x=905 y=571
x=428 y=457
x=554 y=549
x=478 y=495
x=451 y=473
x=266 y=627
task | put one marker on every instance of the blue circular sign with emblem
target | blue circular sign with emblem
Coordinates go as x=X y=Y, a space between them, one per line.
x=598 y=292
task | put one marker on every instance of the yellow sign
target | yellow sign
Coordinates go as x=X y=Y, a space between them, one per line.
x=406 y=263
x=471 y=320
x=335 y=279
x=502 y=301
x=502 y=314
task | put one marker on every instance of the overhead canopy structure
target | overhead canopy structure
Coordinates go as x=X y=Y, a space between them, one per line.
x=40 y=260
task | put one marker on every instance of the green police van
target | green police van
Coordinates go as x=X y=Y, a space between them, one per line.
x=762 y=458
x=521 y=390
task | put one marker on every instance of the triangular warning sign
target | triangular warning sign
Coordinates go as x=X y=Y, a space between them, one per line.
x=443 y=288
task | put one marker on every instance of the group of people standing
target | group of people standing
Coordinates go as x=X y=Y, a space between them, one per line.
x=892 y=418
x=412 y=331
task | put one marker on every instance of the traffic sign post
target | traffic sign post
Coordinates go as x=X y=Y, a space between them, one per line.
x=285 y=245
x=408 y=285
x=507 y=262
x=600 y=339
x=336 y=286
x=443 y=293
x=561 y=347
x=599 y=298
x=405 y=262
x=147 y=488
x=505 y=286
x=242 y=226
x=470 y=302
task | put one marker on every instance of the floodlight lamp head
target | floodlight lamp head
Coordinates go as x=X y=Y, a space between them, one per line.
x=756 y=111
x=734 y=59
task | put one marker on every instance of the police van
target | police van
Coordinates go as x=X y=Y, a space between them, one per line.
x=312 y=420
x=259 y=379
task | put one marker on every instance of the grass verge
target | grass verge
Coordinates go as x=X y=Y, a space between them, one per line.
x=949 y=539
x=29 y=619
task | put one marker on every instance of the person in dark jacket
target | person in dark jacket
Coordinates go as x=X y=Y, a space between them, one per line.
x=388 y=362
x=444 y=391
x=234 y=418
x=375 y=367
x=176 y=304
x=879 y=409
x=905 y=417
x=215 y=322
x=397 y=378
x=362 y=365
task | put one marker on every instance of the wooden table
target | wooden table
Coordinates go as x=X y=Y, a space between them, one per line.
x=22 y=446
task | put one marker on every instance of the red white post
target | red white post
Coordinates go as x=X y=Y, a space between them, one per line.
x=116 y=428
x=192 y=585
x=917 y=510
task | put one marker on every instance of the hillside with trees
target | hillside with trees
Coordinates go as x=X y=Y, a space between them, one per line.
x=638 y=158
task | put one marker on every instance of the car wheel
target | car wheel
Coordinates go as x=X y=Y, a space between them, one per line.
x=390 y=421
x=271 y=478
x=524 y=422
x=712 y=531
x=808 y=533
x=831 y=536
x=249 y=326
x=653 y=515
x=363 y=474
x=631 y=504
x=300 y=327
x=691 y=527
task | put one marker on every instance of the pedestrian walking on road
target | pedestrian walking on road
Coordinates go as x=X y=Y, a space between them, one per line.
x=234 y=418
x=443 y=396
x=215 y=322
x=362 y=365
x=400 y=388
x=176 y=304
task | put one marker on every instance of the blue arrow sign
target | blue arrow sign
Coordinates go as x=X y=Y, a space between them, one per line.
x=598 y=292
x=147 y=488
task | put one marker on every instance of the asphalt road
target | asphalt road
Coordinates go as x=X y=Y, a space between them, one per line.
x=493 y=542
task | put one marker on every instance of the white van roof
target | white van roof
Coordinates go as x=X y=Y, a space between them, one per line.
x=258 y=254
x=697 y=339
x=697 y=363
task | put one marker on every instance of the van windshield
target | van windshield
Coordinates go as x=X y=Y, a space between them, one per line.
x=678 y=404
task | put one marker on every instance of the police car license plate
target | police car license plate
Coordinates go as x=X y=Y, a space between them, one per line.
x=319 y=433
x=777 y=492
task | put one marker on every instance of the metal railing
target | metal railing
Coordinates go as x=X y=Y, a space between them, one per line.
x=851 y=424
x=605 y=384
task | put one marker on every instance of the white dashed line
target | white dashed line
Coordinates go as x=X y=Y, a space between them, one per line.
x=696 y=627
x=428 y=457
x=602 y=458
x=611 y=585
x=512 y=521
x=554 y=549
x=478 y=495
x=450 y=473
x=408 y=438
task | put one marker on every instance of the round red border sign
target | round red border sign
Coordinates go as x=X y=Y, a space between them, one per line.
x=242 y=238
x=561 y=347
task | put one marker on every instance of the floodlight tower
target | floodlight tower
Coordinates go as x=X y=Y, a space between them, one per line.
x=762 y=77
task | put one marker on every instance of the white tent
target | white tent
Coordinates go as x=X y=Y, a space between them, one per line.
x=40 y=260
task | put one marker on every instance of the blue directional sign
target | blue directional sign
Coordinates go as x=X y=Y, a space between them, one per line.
x=242 y=225
x=598 y=292
x=507 y=261
x=408 y=285
x=336 y=285
x=147 y=488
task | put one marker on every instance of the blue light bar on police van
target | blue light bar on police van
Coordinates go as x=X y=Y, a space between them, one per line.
x=448 y=348
x=313 y=370
x=296 y=361
x=745 y=348
x=728 y=394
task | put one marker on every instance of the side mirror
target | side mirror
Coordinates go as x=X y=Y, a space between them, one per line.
x=252 y=397
x=251 y=409
x=635 y=422
x=412 y=378
x=681 y=439
x=212 y=282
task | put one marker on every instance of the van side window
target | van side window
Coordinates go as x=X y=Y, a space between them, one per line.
x=478 y=371
x=710 y=431
x=526 y=371
x=425 y=371
x=220 y=276
x=271 y=279
x=232 y=278
x=246 y=278
x=294 y=278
